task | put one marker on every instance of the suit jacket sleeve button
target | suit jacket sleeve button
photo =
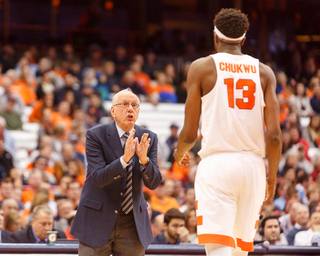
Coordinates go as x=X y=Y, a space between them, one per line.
x=116 y=211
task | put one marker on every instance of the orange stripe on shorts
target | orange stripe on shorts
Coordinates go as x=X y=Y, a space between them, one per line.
x=260 y=210
x=245 y=246
x=216 y=239
x=196 y=205
x=199 y=220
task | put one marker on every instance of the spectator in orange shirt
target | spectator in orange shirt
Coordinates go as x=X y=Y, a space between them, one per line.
x=128 y=81
x=312 y=83
x=26 y=86
x=284 y=110
x=40 y=198
x=34 y=181
x=67 y=231
x=161 y=202
x=41 y=163
x=39 y=106
x=165 y=90
x=81 y=143
x=62 y=117
x=76 y=170
x=142 y=79
x=282 y=81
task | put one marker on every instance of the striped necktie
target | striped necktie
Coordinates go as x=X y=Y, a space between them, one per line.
x=127 y=201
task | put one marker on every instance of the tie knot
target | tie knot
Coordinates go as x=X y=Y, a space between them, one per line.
x=126 y=135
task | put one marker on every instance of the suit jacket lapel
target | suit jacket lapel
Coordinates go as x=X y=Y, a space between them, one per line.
x=114 y=140
x=138 y=135
x=138 y=132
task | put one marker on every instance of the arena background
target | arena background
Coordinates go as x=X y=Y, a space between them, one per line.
x=177 y=31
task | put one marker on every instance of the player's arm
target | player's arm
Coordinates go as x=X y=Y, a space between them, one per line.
x=273 y=133
x=189 y=132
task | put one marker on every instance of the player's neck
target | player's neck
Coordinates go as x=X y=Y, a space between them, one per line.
x=230 y=48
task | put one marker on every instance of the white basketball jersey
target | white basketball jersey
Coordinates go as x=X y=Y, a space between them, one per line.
x=232 y=112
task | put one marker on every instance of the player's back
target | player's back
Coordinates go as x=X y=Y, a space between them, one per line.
x=232 y=112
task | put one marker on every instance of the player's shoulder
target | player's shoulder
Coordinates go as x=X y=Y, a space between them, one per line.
x=202 y=64
x=202 y=61
x=265 y=69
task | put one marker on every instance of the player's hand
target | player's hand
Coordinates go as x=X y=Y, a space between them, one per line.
x=130 y=147
x=183 y=161
x=142 y=148
x=271 y=188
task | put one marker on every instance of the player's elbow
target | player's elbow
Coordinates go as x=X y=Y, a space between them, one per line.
x=190 y=138
x=274 y=139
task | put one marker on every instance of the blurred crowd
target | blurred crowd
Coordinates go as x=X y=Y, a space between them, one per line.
x=66 y=92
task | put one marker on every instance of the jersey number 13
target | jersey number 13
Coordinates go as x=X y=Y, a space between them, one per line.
x=248 y=99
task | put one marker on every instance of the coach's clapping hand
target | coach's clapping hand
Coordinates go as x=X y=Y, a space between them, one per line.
x=142 y=148
x=130 y=147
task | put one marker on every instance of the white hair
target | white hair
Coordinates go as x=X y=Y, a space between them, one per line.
x=116 y=96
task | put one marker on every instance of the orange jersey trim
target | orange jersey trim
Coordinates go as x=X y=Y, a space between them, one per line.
x=216 y=239
x=256 y=225
x=196 y=205
x=245 y=246
x=199 y=220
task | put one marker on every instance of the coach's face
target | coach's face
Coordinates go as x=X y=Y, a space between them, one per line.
x=126 y=110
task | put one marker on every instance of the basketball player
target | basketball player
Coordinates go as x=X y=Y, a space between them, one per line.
x=235 y=94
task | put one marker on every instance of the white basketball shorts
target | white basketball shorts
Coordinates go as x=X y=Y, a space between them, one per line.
x=230 y=189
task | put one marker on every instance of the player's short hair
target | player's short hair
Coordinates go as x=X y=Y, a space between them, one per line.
x=231 y=22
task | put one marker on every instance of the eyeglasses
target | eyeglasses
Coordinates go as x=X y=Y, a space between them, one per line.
x=126 y=105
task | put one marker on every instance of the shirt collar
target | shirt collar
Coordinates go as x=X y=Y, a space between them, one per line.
x=121 y=132
x=37 y=238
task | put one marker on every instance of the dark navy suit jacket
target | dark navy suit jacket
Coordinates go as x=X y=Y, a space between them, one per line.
x=104 y=187
x=5 y=236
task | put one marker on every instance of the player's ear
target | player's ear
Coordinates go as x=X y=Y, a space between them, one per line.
x=242 y=41
x=215 y=38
